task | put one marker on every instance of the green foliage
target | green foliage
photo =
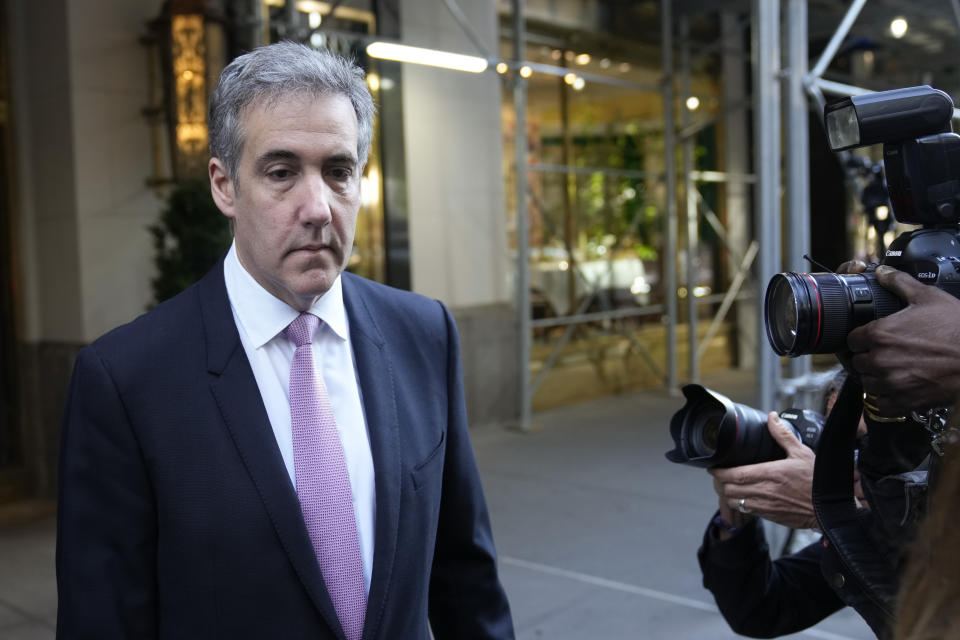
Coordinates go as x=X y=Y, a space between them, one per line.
x=613 y=211
x=189 y=238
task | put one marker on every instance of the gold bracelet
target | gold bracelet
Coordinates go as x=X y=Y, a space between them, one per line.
x=873 y=412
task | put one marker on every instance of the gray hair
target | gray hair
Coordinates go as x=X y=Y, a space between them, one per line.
x=832 y=386
x=282 y=69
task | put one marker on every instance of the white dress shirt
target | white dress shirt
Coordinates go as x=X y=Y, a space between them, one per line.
x=261 y=319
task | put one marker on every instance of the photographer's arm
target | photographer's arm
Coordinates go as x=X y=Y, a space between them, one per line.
x=761 y=598
x=910 y=359
x=779 y=491
x=757 y=596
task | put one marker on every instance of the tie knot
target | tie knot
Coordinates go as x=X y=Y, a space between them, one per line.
x=302 y=329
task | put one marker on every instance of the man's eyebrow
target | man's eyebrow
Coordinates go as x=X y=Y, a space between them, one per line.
x=275 y=154
x=342 y=158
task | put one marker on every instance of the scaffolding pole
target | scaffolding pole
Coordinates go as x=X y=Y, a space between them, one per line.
x=523 y=258
x=766 y=55
x=690 y=196
x=670 y=188
x=798 y=157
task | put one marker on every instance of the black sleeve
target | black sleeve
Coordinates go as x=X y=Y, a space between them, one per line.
x=761 y=598
x=106 y=524
x=466 y=597
x=893 y=463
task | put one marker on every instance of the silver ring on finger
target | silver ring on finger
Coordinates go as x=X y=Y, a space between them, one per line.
x=741 y=507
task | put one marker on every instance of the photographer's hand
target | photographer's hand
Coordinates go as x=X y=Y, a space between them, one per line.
x=852 y=266
x=780 y=491
x=910 y=359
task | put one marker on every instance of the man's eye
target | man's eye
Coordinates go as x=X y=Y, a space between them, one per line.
x=280 y=174
x=340 y=173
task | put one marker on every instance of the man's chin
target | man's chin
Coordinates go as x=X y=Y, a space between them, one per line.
x=316 y=282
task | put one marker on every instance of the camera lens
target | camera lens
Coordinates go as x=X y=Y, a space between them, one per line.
x=712 y=431
x=707 y=434
x=813 y=312
x=783 y=302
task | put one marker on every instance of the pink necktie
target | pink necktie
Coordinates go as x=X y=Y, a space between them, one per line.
x=323 y=484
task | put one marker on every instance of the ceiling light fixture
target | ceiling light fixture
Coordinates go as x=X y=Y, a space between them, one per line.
x=429 y=57
x=898 y=27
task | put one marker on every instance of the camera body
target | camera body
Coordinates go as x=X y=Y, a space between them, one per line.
x=932 y=256
x=710 y=431
x=813 y=312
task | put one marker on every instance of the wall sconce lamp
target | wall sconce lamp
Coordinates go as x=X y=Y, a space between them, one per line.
x=187 y=45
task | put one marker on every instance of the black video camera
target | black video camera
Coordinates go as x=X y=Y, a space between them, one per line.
x=814 y=312
x=712 y=431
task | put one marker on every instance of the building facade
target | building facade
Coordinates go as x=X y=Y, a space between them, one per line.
x=87 y=171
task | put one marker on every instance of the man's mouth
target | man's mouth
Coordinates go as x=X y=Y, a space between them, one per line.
x=313 y=247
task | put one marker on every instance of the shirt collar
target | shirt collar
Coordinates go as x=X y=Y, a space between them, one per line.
x=263 y=315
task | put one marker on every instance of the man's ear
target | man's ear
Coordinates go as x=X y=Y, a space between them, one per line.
x=221 y=187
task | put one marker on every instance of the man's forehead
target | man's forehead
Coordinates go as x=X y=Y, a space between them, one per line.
x=262 y=121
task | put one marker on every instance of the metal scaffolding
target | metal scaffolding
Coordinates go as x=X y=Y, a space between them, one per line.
x=766 y=51
x=742 y=258
x=523 y=256
x=800 y=86
x=764 y=256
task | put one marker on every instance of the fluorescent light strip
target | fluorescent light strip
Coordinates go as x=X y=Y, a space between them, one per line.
x=429 y=57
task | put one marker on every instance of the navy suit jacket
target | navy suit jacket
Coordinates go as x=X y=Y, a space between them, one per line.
x=177 y=518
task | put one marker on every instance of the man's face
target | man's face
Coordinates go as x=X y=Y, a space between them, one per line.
x=295 y=211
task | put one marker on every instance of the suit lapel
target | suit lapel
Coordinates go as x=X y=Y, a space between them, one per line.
x=374 y=371
x=238 y=398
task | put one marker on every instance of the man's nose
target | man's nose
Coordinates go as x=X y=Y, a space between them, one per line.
x=315 y=202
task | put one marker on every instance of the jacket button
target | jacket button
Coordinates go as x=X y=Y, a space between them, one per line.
x=838 y=581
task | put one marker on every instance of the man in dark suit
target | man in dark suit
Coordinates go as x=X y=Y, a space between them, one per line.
x=281 y=451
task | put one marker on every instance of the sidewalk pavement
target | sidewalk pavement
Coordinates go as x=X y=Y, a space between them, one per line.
x=28 y=591
x=596 y=532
